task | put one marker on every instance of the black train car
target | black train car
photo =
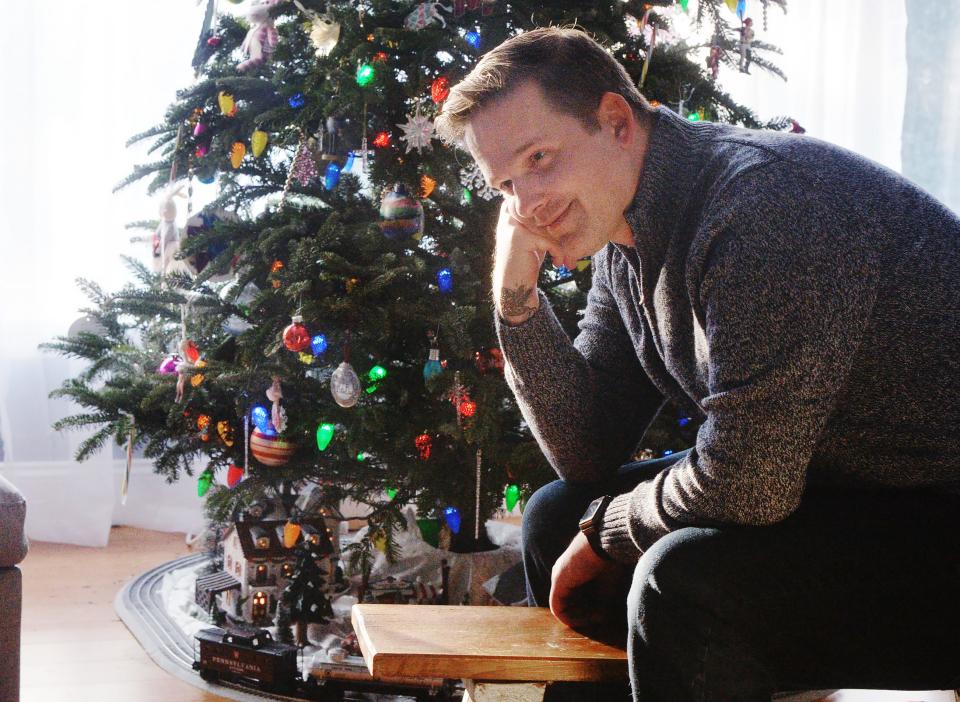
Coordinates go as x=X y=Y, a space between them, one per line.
x=246 y=655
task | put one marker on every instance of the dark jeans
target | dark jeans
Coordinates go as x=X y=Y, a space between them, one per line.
x=853 y=590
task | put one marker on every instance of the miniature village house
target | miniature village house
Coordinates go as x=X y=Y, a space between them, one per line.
x=257 y=566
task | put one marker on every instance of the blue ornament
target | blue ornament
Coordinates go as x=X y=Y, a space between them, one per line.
x=318 y=344
x=445 y=280
x=741 y=8
x=331 y=176
x=473 y=39
x=261 y=418
x=296 y=101
x=667 y=452
x=683 y=421
x=452 y=517
x=351 y=157
x=563 y=272
x=431 y=369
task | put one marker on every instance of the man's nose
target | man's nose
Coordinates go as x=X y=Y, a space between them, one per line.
x=529 y=198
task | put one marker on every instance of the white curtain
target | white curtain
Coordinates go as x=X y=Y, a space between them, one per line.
x=80 y=78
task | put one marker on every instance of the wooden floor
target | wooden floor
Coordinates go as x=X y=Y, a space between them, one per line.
x=75 y=648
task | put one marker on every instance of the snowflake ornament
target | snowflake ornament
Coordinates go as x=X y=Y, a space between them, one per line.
x=472 y=179
x=417 y=132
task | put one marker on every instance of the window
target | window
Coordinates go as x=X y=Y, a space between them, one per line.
x=287 y=570
x=259 y=607
x=261 y=573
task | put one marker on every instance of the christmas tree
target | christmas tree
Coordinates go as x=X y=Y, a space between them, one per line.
x=326 y=319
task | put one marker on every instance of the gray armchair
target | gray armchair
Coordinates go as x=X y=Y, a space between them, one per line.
x=13 y=548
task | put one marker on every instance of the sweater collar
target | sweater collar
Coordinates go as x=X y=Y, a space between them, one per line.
x=670 y=167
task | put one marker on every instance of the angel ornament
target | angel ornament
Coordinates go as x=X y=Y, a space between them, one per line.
x=324 y=31
x=261 y=39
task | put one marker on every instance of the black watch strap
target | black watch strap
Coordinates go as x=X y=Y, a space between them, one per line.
x=590 y=524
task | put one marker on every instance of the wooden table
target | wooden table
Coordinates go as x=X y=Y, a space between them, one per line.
x=501 y=653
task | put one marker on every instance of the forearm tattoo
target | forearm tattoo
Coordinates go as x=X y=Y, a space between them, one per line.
x=514 y=303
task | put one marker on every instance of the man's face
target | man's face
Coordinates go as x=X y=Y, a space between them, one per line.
x=565 y=182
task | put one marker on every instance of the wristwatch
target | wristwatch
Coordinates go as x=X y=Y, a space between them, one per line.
x=590 y=524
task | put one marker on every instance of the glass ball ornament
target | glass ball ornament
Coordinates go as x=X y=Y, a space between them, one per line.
x=296 y=101
x=296 y=338
x=382 y=140
x=473 y=39
x=401 y=215
x=168 y=366
x=345 y=385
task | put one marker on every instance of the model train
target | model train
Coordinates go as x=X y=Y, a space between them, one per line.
x=251 y=657
x=247 y=656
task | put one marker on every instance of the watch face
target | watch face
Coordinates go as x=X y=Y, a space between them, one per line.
x=587 y=517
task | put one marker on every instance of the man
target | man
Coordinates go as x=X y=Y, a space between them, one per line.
x=805 y=304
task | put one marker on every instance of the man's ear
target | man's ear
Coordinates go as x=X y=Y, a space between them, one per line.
x=615 y=113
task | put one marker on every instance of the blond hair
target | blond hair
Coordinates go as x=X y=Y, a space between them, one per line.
x=572 y=70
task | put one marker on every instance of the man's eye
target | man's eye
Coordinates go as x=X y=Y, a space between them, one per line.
x=538 y=156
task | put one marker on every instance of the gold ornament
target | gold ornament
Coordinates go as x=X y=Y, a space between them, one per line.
x=259 y=142
x=237 y=152
x=227 y=105
x=427 y=184
x=225 y=432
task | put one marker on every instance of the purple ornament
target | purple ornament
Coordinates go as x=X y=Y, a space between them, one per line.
x=199 y=129
x=168 y=366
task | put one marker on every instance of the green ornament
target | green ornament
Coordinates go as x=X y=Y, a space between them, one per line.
x=324 y=435
x=511 y=496
x=683 y=4
x=204 y=482
x=365 y=74
x=430 y=531
x=362 y=456
x=391 y=492
x=375 y=375
x=467 y=196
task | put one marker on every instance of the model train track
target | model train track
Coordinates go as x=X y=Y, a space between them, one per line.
x=140 y=606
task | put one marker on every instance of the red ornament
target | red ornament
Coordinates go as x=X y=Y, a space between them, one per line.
x=424 y=444
x=190 y=350
x=440 y=89
x=234 y=475
x=270 y=450
x=382 y=140
x=380 y=56
x=489 y=359
x=296 y=337
x=468 y=408
x=214 y=41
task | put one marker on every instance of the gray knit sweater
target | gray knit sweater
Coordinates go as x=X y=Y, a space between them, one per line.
x=802 y=300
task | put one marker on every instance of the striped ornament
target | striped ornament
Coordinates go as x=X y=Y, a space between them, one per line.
x=270 y=450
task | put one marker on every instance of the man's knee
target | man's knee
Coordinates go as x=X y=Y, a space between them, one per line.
x=669 y=576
